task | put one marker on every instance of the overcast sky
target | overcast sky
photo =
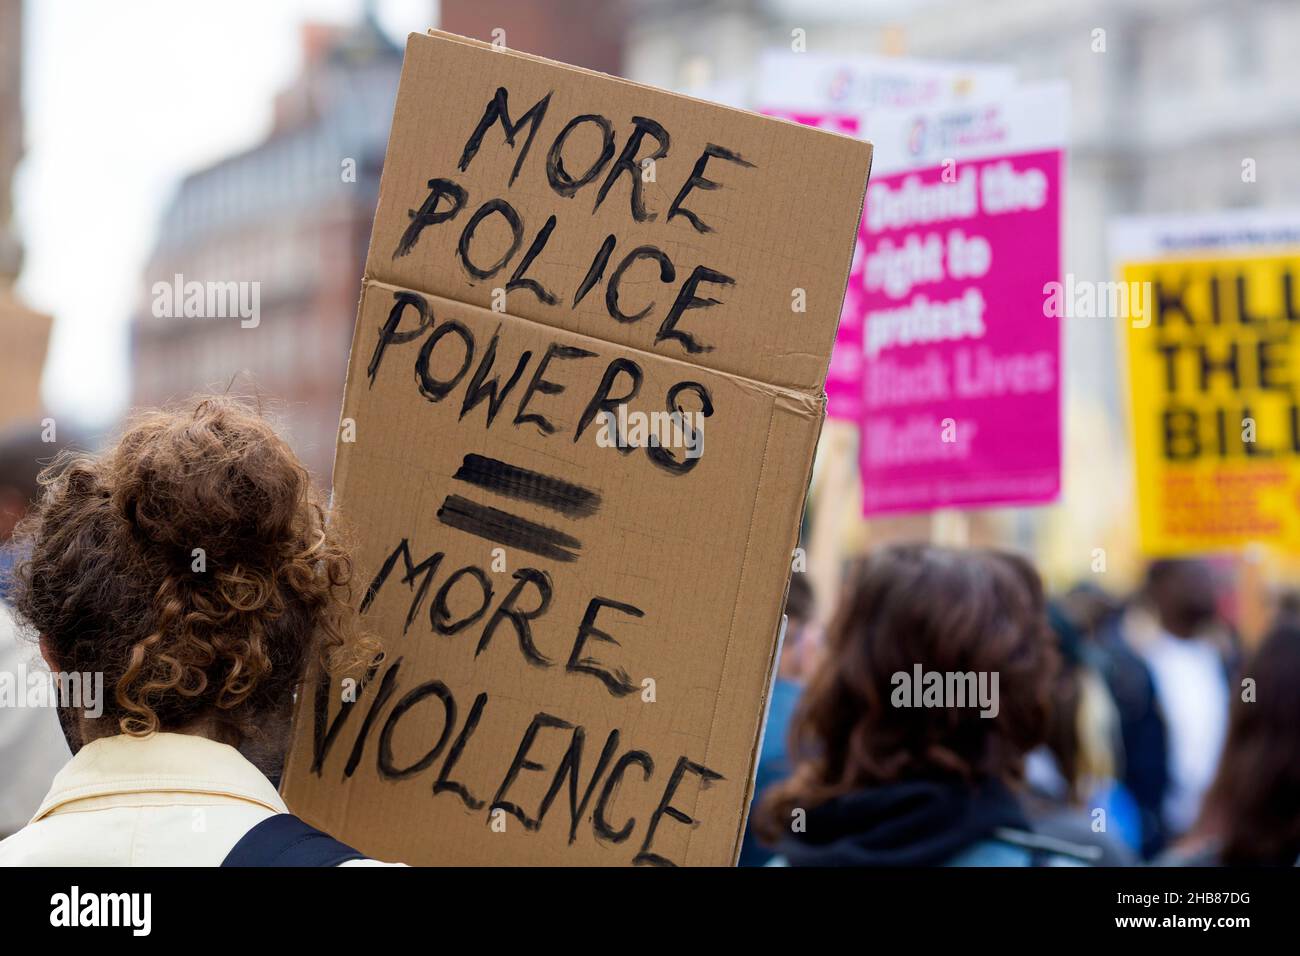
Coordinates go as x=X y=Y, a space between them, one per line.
x=122 y=100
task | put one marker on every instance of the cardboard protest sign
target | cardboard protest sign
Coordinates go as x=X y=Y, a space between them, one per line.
x=838 y=93
x=26 y=336
x=581 y=410
x=961 y=350
x=1213 y=354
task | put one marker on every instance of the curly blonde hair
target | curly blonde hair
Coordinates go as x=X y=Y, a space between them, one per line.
x=194 y=565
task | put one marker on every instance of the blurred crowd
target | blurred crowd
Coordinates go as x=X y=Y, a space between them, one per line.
x=1107 y=730
x=1130 y=729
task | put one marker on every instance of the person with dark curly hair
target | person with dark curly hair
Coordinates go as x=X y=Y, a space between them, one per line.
x=191 y=570
x=911 y=734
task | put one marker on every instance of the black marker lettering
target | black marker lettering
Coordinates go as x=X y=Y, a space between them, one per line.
x=560 y=179
x=426 y=568
x=435 y=390
x=521 y=762
x=540 y=384
x=601 y=403
x=628 y=162
x=435 y=688
x=388 y=334
x=616 y=681
x=386 y=689
x=440 y=613
x=697 y=181
x=684 y=766
x=517 y=281
x=507 y=212
x=508 y=529
x=429 y=215
x=446 y=785
x=524 y=484
x=596 y=271
x=541 y=582
x=493 y=391
x=599 y=821
x=665 y=458
x=323 y=739
x=498 y=109
x=666 y=274
x=570 y=767
x=687 y=299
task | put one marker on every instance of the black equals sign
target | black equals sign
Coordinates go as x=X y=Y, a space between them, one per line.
x=521 y=484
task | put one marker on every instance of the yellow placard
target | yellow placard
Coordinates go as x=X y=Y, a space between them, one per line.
x=1214 y=361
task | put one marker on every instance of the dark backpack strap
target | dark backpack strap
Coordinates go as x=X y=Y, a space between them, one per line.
x=284 y=840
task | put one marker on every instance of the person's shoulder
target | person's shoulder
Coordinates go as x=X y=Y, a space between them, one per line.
x=24 y=848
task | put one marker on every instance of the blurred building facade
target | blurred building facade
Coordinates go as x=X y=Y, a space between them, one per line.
x=1166 y=103
x=24 y=334
x=293 y=215
x=578 y=32
x=11 y=132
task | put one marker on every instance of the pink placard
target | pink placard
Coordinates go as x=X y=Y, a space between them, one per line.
x=843 y=376
x=960 y=400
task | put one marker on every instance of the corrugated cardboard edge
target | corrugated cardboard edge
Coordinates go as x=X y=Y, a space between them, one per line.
x=779 y=407
x=297 y=731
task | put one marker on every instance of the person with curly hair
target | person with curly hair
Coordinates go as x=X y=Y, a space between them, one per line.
x=910 y=738
x=191 y=570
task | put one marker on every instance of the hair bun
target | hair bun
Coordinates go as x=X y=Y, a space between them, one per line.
x=112 y=584
x=220 y=480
